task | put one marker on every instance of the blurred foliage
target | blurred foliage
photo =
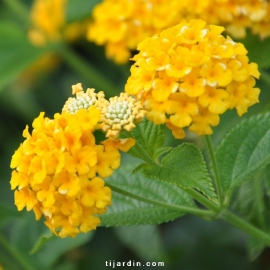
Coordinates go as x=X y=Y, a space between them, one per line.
x=186 y=243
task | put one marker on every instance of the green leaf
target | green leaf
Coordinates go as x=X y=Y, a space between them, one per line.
x=142 y=201
x=25 y=233
x=79 y=9
x=265 y=76
x=16 y=53
x=139 y=167
x=43 y=239
x=56 y=247
x=148 y=245
x=185 y=167
x=258 y=50
x=244 y=151
x=6 y=260
x=248 y=201
x=16 y=254
x=149 y=141
x=67 y=265
x=255 y=248
x=267 y=179
x=162 y=150
x=7 y=214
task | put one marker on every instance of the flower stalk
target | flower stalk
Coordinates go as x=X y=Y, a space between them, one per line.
x=231 y=218
x=245 y=227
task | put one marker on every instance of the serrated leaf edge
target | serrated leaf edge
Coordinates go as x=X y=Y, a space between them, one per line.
x=238 y=127
x=178 y=184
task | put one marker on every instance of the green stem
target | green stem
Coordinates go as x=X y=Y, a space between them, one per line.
x=24 y=262
x=231 y=218
x=203 y=200
x=184 y=209
x=225 y=215
x=215 y=167
x=19 y=9
x=246 y=227
x=85 y=69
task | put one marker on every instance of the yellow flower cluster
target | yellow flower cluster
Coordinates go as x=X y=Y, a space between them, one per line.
x=57 y=168
x=120 y=25
x=48 y=18
x=189 y=74
x=49 y=23
x=237 y=16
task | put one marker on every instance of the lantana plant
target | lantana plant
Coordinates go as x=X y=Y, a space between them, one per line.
x=68 y=168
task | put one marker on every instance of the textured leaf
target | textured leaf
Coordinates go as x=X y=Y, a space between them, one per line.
x=43 y=239
x=139 y=167
x=148 y=245
x=162 y=150
x=185 y=167
x=149 y=141
x=131 y=211
x=244 y=151
x=16 y=53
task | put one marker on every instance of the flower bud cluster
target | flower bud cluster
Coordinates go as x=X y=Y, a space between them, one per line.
x=121 y=113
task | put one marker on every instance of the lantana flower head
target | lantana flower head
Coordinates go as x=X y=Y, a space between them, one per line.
x=83 y=100
x=120 y=113
x=189 y=74
x=59 y=167
x=48 y=19
x=120 y=25
x=238 y=16
x=49 y=23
